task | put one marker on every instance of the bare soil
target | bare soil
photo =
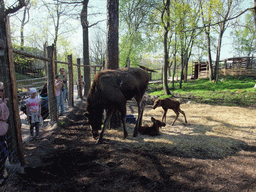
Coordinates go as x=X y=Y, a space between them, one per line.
x=216 y=151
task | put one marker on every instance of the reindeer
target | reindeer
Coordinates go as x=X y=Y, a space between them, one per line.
x=153 y=129
x=110 y=90
x=169 y=104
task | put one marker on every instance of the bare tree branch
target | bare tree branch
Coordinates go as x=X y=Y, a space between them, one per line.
x=97 y=23
x=21 y=4
x=75 y=2
x=228 y=19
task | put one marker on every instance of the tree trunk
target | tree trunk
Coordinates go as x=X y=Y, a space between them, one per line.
x=255 y=12
x=56 y=37
x=166 y=64
x=85 y=26
x=112 y=34
x=209 y=56
x=22 y=30
x=166 y=51
x=217 y=62
x=112 y=51
x=186 y=72
x=175 y=61
x=181 y=67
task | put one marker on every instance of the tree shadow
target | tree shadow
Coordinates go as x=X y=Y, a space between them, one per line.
x=69 y=160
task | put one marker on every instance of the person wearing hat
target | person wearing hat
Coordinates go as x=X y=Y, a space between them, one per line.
x=33 y=107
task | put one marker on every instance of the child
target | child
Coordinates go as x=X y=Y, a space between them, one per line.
x=58 y=87
x=33 y=104
x=4 y=114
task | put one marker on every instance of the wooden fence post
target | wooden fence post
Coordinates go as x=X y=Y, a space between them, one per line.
x=15 y=147
x=79 y=85
x=52 y=101
x=45 y=62
x=70 y=82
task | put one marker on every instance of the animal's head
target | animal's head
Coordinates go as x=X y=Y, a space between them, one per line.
x=94 y=116
x=157 y=123
x=157 y=103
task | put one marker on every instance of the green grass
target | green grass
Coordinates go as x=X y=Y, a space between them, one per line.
x=21 y=77
x=238 y=91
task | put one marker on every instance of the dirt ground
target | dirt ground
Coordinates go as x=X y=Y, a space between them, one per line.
x=216 y=151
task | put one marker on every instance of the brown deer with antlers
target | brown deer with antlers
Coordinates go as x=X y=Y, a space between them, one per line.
x=169 y=104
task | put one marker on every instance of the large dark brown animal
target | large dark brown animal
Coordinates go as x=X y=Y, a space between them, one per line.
x=169 y=104
x=153 y=129
x=110 y=90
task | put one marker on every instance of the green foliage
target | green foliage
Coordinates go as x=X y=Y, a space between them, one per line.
x=244 y=38
x=25 y=64
x=131 y=48
x=237 y=91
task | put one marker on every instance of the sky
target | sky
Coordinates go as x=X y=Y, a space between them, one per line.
x=99 y=6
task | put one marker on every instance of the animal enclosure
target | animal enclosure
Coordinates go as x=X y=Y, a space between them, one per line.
x=235 y=66
x=212 y=132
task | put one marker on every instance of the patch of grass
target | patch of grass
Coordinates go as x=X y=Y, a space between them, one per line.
x=237 y=91
x=21 y=77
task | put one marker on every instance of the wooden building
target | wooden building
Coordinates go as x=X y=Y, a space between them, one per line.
x=150 y=71
x=235 y=66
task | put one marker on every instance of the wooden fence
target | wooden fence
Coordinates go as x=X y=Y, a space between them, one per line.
x=236 y=66
x=16 y=89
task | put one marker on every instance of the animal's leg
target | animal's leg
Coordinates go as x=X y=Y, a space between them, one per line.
x=122 y=109
x=177 y=115
x=107 y=120
x=124 y=126
x=164 y=115
x=183 y=113
x=141 y=107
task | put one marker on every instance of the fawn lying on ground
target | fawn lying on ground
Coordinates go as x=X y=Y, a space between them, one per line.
x=169 y=104
x=152 y=130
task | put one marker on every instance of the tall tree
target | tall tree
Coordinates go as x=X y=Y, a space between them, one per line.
x=165 y=19
x=224 y=13
x=244 y=36
x=255 y=12
x=188 y=16
x=112 y=53
x=134 y=16
x=206 y=13
x=59 y=13
x=24 y=21
x=98 y=49
x=85 y=26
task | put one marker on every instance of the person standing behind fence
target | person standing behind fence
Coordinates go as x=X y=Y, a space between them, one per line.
x=4 y=115
x=58 y=87
x=33 y=107
x=64 y=91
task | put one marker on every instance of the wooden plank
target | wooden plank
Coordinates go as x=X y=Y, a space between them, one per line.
x=79 y=86
x=34 y=79
x=61 y=62
x=71 y=82
x=52 y=101
x=30 y=55
x=15 y=101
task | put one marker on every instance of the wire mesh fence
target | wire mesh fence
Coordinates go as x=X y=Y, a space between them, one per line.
x=46 y=90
